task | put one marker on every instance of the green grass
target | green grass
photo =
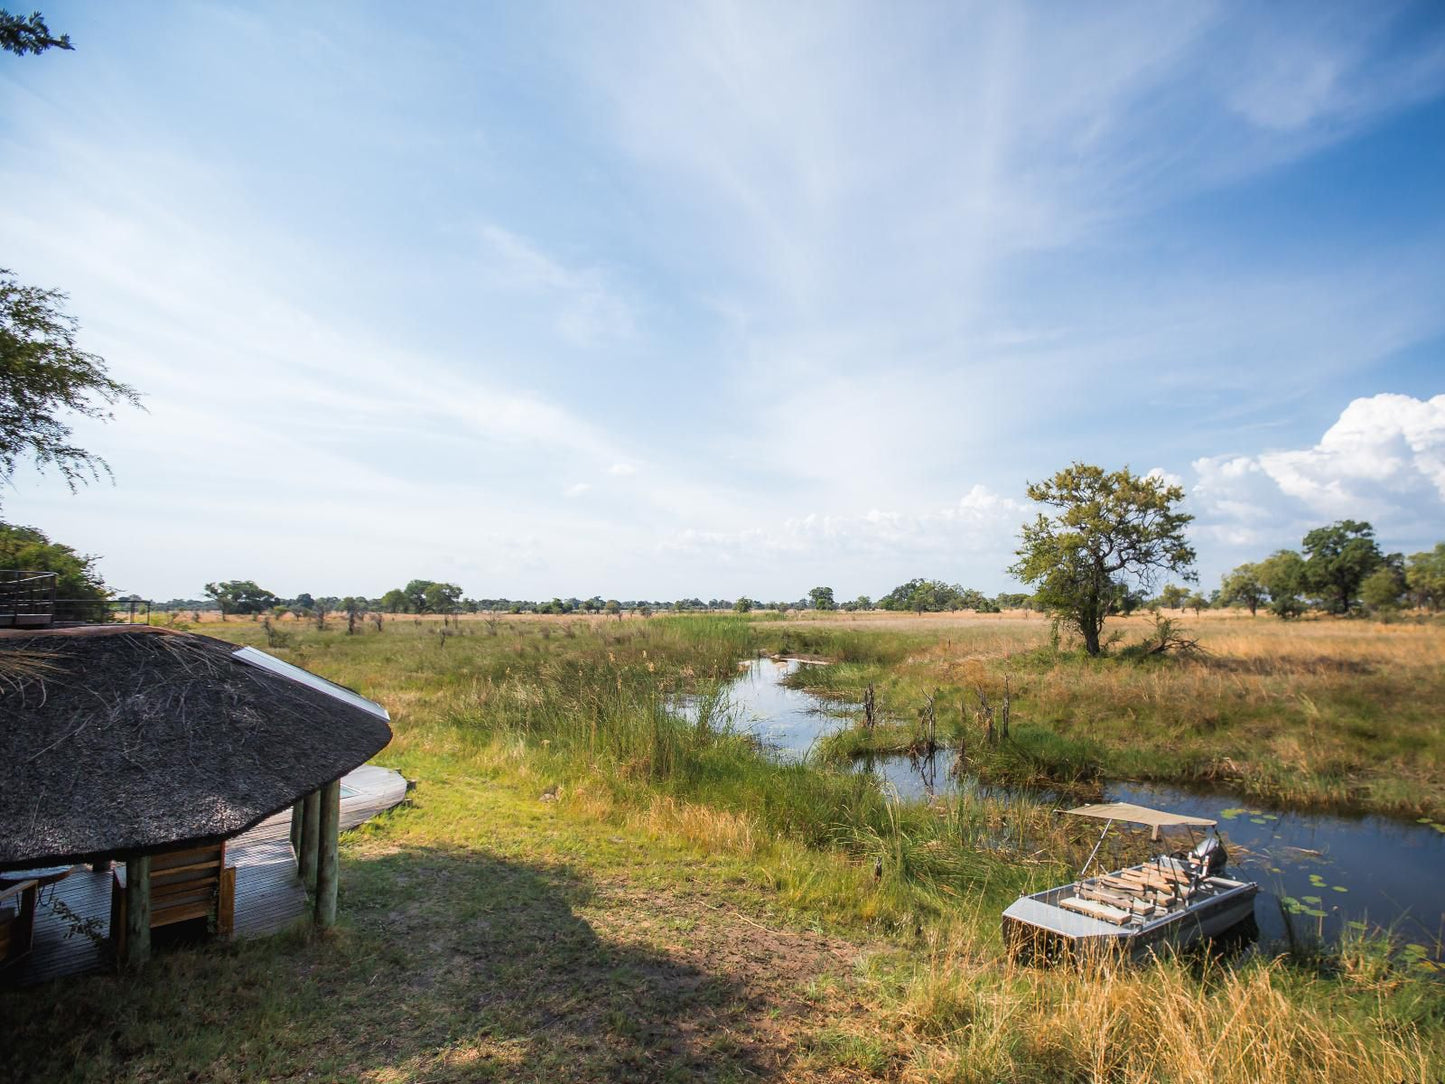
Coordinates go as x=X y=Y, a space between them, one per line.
x=587 y=887
x=1340 y=715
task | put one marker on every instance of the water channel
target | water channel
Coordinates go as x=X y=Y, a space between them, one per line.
x=1328 y=872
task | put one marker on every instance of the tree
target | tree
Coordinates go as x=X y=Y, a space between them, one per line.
x=1337 y=560
x=355 y=608
x=821 y=598
x=1243 y=585
x=932 y=596
x=1196 y=602
x=29 y=549
x=394 y=601
x=1382 y=589
x=1282 y=576
x=42 y=375
x=743 y=605
x=1109 y=529
x=240 y=597
x=21 y=35
x=1425 y=576
x=1173 y=597
x=440 y=598
x=613 y=608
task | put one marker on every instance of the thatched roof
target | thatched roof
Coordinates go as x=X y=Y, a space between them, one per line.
x=115 y=741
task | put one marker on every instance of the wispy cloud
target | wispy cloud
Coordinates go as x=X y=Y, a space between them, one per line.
x=590 y=312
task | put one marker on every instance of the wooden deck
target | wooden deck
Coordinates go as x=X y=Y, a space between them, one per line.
x=269 y=894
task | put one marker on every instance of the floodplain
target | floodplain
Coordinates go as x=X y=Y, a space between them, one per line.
x=593 y=883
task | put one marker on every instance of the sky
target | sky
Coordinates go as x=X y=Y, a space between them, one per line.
x=664 y=300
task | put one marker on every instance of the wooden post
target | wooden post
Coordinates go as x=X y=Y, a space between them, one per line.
x=328 y=870
x=310 y=839
x=137 y=911
x=298 y=818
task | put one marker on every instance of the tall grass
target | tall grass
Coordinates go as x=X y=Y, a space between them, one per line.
x=590 y=707
x=1322 y=713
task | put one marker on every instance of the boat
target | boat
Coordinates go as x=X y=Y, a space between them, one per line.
x=1174 y=899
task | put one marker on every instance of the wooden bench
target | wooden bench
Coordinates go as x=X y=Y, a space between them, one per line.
x=185 y=884
x=17 y=920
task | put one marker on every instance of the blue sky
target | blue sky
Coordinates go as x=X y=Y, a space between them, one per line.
x=660 y=300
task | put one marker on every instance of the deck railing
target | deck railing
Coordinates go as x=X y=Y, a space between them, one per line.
x=27 y=598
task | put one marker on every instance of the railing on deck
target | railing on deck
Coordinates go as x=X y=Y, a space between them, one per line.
x=27 y=598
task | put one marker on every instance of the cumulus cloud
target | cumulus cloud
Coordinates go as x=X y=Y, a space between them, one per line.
x=1382 y=461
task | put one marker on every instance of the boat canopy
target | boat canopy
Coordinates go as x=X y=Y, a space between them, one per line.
x=1137 y=814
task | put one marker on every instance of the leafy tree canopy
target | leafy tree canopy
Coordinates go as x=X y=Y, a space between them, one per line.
x=1383 y=588
x=1243 y=586
x=1109 y=529
x=29 y=549
x=240 y=597
x=933 y=596
x=1173 y=597
x=43 y=374
x=821 y=598
x=20 y=34
x=1425 y=577
x=1282 y=574
x=1337 y=560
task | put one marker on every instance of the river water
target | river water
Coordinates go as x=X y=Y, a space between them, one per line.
x=1326 y=872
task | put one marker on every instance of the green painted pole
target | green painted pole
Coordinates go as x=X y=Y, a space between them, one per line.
x=328 y=870
x=137 y=911
x=310 y=832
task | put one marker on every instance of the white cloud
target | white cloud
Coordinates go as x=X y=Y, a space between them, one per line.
x=980 y=523
x=576 y=489
x=622 y=470
x=1382 y=461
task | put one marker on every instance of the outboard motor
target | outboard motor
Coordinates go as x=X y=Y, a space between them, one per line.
x=1209 y=856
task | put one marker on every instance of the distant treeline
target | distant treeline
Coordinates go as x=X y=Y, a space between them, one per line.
x=432 y=597
x=1338 y=569
x=1341 y=570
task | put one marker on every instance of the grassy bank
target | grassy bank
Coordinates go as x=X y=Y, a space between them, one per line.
x=1329 y=714
x=586 y=887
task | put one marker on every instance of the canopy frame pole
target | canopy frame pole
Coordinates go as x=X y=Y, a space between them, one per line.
x=1105 y=832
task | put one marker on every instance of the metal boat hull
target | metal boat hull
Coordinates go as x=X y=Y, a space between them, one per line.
x=1035 y=927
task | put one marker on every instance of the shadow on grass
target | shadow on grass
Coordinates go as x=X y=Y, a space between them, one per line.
x=448 y=965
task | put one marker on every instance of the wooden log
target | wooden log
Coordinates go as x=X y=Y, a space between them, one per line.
x=310 y=839
x=328 y=869
x=137 y=939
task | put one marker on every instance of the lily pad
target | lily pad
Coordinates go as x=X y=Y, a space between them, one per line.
x=1257 y=820
x=1338 y=888
x=1230 y=814
x=1312 y=899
